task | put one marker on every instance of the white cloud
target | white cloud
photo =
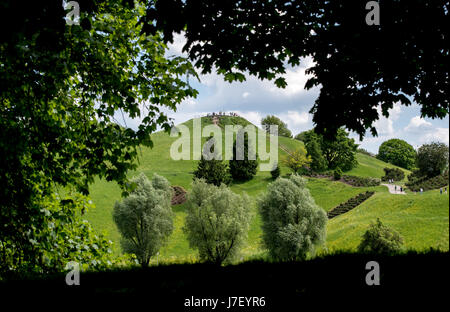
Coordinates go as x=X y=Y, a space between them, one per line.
x=418 y=125
x=245 y=94
x=385 y=126
x=295 y=119
x=176 y=47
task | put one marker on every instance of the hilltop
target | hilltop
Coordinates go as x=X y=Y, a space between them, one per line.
x=422 y=220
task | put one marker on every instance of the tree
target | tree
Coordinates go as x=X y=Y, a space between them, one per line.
x=62 y=90
x=217 y=221
x=432 y=159
x=144 y=219
x=297 y=160
x=210 y=168
x=330 y=153
x=397 y=152
x=293 y=225
x=380 y=239
x=237 y=37
x=243 y=169
x=270 y=120
x=339 y=151
x=312 y=144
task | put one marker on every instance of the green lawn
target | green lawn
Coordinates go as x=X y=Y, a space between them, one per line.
x=422 y=220
x=371 y=167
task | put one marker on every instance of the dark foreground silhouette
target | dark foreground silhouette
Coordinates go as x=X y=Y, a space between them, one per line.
x=337 y=281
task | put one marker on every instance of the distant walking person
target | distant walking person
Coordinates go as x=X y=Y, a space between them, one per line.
x=395 y=187
x=440 y=190
x=446 y=190
x=421 y=190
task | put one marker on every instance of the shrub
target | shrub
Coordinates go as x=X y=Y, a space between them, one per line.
x=242 y=169
x=210 y=168
x=275 y=171
x=395 y=174
x=144 y=218
x=349 y=204
x=269 y=120
x=293 y=225
x=380 y=239
x=360 y=181
x=217 y=221
x=297 y=160
x=428 y=184
x=337 y=173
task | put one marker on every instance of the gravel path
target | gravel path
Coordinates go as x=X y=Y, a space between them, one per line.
x=391 y=188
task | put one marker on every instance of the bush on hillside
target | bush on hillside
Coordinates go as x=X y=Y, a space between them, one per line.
x=275 y=173
x=380 y=239
x=395 y=174
x=293 y=225
x=217 y=221
x=360 y=181
x=144 y=218
x=349 y=204
x=210 y=168
x=337 y=173
x=270 y=120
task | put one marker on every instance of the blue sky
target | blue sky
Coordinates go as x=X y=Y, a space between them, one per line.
x=254 y=99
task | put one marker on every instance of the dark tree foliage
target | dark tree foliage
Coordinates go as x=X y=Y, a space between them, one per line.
x=275 y=173
x=432 y=159
x=359 y=67
x=312 y=144
x=395 y=174
x=209 y=168
x=397 y=152
x=339 y=151
x=243 y=169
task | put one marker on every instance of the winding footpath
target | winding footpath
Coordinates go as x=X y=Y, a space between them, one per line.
x=392 y=190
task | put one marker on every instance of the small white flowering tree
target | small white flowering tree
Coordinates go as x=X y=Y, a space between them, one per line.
x=145 y=217
x=293 y=225
x=217 y=221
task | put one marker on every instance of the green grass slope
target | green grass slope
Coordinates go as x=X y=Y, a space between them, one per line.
x=342 y=233
x=422 y=220
x=371 y=167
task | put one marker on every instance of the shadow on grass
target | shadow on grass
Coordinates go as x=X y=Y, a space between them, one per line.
x=338 y=280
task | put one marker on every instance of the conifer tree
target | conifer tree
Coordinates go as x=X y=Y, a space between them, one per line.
x=243 y=169
x=212 y=168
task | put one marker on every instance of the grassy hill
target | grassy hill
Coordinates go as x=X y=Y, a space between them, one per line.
x=412 y=216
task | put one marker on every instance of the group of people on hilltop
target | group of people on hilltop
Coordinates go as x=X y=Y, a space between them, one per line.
x=232 y=114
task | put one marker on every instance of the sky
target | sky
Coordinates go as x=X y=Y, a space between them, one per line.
x=254 y=99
